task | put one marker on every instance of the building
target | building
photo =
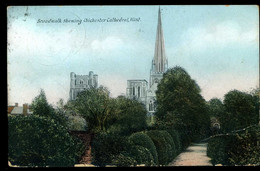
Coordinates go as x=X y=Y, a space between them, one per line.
x=19 y=110
x=139 y=89
x=79 y=83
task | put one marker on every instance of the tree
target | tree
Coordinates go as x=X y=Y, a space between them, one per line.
x=180 y=105
x=129 y=116
x=240 y=110
x=95 y=106
x=216 y=107
x=41 y=107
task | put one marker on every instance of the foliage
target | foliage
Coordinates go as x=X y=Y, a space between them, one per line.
x=141 y=139
x=130 y=116
x=141 y=155
x=95 y=106
x=240 y=111
x=241 y=148
x=107 y=145
x=41 y=107
x=38 y=141
x=76 y=123
x=163 y=143
x=216 y=107
x=181 y=106
x=176 y=139
x=123 y=160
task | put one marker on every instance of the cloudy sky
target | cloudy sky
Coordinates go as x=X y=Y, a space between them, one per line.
x=217 y=45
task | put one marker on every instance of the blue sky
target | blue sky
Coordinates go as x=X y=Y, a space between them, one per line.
x=217 y=45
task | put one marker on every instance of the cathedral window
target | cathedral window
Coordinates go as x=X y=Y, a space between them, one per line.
x=75 y=82
x=151 y=105
x=133 y=91
x=138 y=91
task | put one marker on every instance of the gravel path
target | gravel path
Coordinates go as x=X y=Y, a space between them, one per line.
x=194 y=155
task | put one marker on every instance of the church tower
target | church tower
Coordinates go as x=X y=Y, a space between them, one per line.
x=159 y=62
x=140 y=89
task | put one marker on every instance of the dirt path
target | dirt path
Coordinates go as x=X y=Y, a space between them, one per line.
x=194 y=155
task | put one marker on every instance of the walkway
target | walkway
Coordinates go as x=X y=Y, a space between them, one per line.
x=194 y=155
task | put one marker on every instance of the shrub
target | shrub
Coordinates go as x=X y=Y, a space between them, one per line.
x=142 y=155
x=171 y=151
x=37 y=141
x=105 y=146
x=217 y=149
x=176 y=139
x=144 y=140
x=246 y=149
x=123 y=160
x=162 y=144
x=238 y=149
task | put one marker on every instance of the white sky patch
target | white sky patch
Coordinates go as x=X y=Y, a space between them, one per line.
x=109 y=43
x=116 y=84
x=199 y=38
x=222 y=83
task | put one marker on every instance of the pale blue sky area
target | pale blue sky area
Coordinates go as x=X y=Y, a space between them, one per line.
x=217 y=45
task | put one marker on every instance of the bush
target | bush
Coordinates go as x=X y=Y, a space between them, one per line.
x=238 y=149
x=170 y=142
x=144 y=140
x=162 y=141
x=37 y=141
x=176 y=139
x=123 y=160
x=142 y=155
x=217 y=149
x=105 y=146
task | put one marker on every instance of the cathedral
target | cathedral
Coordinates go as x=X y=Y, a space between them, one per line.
x=138 y=89
x=79 y=83
x=143 y=91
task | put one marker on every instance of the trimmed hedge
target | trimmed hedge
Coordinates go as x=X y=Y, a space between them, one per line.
x=37 y=141
x=123 y=160
x=142 y=155
x=238 y=149
x=105 y=146
x=144 y=140
x=176 y=139
x=163 y=143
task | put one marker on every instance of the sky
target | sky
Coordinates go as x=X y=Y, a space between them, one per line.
x=217 y=45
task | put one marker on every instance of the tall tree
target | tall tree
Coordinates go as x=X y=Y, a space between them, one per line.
x=41 y=107
x=180 y=105
x=240 y=110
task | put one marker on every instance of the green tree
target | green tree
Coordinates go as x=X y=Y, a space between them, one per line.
x=240 y=110
x=41 y=107
x=216 y=107
x=129 y=116
x=95 y=106
x=180 y=104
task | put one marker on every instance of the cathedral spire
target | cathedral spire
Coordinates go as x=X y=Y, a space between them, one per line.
x=159 y=61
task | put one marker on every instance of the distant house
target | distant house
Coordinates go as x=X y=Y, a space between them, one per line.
x=19 y=110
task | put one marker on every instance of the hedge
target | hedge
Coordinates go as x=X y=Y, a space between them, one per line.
x=237 y=149
x=176 y=139
x=105 y=146
x=37 y=141
x=144 y=140
x=163 y=143
x=141 y=155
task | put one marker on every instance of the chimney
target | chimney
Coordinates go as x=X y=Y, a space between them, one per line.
x=16 y=104
x=25 y=107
